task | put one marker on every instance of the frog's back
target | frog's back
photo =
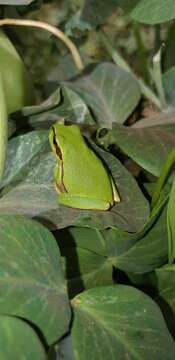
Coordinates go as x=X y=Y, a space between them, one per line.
x=86 y=168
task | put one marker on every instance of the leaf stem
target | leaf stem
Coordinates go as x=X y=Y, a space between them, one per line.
x=52 y=29
x=161 y=180
x=157 y=77
x=141 y=52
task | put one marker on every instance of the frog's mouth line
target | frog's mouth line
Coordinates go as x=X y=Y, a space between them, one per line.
x=57 y=148
x=59 y=187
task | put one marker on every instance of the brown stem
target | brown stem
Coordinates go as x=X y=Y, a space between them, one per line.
x=52 y=29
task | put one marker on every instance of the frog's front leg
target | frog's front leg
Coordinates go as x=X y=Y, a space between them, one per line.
x=83 y=202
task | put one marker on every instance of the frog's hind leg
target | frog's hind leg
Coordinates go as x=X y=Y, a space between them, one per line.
x=80 y=202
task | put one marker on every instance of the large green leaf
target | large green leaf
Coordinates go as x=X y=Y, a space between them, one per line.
x=18 y=340
x=140 y=252
x=118 y=322
x=72 y=107
x=148 y=146
x=31 y=190
x=63 y=103
x=23 y=155
x=31 y=279
x=149 y=252
x=109 y=91
x=146 y=11
x=149 y=11
x=82 y=237
x=17 y=86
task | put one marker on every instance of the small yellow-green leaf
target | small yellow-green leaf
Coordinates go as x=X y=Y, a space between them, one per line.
x=171 y=223
x=3 y=128
x=17 y=85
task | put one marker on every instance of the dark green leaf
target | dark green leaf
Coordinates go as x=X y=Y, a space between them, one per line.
x=109 y=91
x=118 y=322
x=84 y=269
x=31 y=279
x=73 y=107
x=149 y=11
x=64 y=103
x=23 y=155
x=85 y=238
x=76 y=24
x=150 y=251
x=18 y=340
x=166 y=284
x=146 y=11
x=148 y=147
x=169 y=85
x=138 y=253
x=97 y=12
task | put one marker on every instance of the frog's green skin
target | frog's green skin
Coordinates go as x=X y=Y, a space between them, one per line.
x=80 y=176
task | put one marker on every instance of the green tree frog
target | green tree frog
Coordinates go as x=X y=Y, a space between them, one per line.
x=80 y=176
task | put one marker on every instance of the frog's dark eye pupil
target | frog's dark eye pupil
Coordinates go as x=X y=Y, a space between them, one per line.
x=102 y=132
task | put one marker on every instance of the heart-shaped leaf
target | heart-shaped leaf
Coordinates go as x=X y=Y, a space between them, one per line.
x=149 y=11
x=109 y=91
x=141 y=143
x=118 y=322
x=31 y=279
x=63 y=103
